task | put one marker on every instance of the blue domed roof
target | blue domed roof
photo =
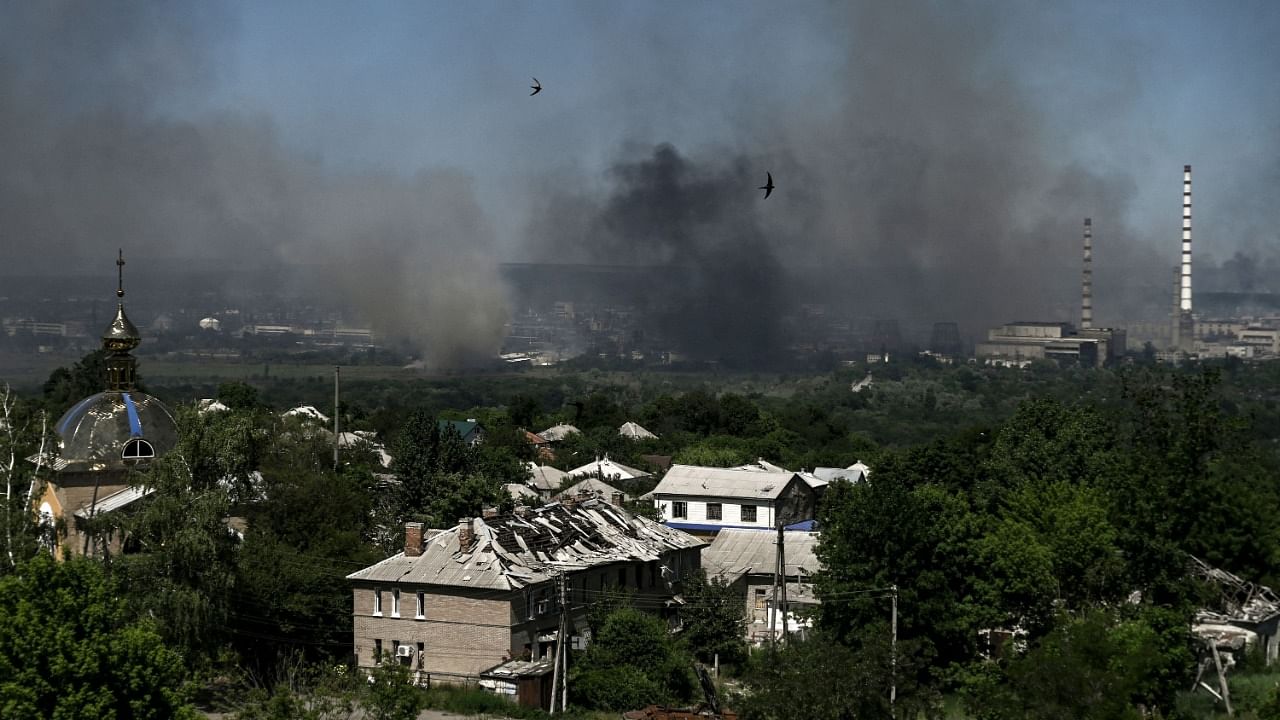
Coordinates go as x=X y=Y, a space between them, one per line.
x=98 y=432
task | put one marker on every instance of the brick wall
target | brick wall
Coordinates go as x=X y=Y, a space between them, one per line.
x=463 y=632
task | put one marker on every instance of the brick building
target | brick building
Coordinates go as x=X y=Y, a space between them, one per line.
x=460 y=601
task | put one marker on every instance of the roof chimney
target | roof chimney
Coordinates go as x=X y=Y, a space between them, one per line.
x=412 y=539
x=1086 y=279
x=466 y=535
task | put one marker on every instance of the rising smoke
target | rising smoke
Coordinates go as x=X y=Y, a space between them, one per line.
x=93 y=161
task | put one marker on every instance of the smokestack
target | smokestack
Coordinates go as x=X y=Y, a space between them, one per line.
x=1086 y=278
x=412 y=539
x=1185 y=304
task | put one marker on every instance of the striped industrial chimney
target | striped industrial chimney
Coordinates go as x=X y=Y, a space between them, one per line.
x=1086 y=278
x=1185 y=303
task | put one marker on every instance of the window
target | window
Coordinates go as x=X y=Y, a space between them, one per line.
x=137 y=450
x=422 y=654
x=377 y=651
x=622 y=577
x=760 y=599
x=679 y=509
x=377 y=601
x=395 y=602
x=715 y=511
x=748 y=513
x=422 y=606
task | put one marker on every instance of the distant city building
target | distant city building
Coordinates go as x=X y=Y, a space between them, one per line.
x=1020 y=342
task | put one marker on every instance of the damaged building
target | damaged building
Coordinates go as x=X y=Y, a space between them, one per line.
x=459 y=602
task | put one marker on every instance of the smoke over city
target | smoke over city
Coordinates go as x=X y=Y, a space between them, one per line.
x=95 y=159
x=921 y=176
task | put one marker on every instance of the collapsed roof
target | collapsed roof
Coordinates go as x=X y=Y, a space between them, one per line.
x=509 y=552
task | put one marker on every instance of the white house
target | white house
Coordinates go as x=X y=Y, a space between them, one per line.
x=705 y=500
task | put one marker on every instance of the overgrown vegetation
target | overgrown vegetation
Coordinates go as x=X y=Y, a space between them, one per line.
x=1056 y=505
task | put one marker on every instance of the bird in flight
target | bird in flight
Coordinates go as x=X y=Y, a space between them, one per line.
x=768 y=186
x=537 y=87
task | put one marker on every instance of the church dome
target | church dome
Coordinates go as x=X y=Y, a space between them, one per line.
x=115 y=430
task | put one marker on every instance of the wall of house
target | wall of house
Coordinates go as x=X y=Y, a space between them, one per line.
x=730 y=511
x=463 y=632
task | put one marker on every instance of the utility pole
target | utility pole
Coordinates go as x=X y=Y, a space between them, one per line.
x=782 y=563
x=893 y=654
x=564 y=634
x=773 y=604
x=336 y=437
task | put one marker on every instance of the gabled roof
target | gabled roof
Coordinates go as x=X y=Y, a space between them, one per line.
x=204 y=405
x=635 y=432
x=520 y=492
x=723 y=482
x=559 y=432
x=512 y=551
x=465 y=428
x=545 y=477
x=534 y=438
x=734 y=553
x=307 y=411
x=608 y=469
x=593 y=486
x=856 y=472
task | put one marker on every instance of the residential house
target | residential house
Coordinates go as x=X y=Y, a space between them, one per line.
x=471 y=432
x=607 y=469
x=522 y=493
x=541 y=446
x=559 y=432
x=704 y=500
x=747 y=559
x=545 y=480
x=592 y=486
x=634 y=431
x=465 y=600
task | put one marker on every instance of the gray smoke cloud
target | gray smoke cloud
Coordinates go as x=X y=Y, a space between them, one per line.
x=94 y=160
x=926 y=184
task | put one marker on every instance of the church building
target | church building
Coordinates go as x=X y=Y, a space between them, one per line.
x=103 y=441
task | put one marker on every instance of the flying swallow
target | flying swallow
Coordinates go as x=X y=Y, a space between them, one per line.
x=767 y=187
x=537 y=87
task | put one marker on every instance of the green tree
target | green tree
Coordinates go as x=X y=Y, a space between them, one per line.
x=71 y=648
x=632 y=661
x=391 y=695
x=181 y=568
x=818 y=678
x=66 y=386
x=239 y=395
x=714 y=618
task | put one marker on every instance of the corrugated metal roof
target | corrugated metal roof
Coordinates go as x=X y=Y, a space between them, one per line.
x=609 y=469
x=723 y=482
x=635 y=431
x=513 y=551
x=559 y=432
x=115 y=501
x=734 y=553
x=520 y=492
x=545 y=477
x=594 y=486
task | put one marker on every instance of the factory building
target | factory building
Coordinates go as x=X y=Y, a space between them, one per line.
x=1021 y=342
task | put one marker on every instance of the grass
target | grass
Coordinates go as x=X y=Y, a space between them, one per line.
x=476 y=702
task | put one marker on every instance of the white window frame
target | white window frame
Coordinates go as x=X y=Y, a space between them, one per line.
x=679 y=510
x=755 y=512
x=377 y=602
x=421 y=613
x=395 y=602
x=719 y=511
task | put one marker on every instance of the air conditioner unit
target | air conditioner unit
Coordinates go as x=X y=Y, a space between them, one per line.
x=543 y=606
x=404 y=651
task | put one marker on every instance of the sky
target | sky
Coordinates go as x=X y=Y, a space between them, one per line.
x=957 y=144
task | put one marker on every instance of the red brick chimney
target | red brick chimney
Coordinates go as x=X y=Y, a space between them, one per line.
x=412 y=539
x=466 y=535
